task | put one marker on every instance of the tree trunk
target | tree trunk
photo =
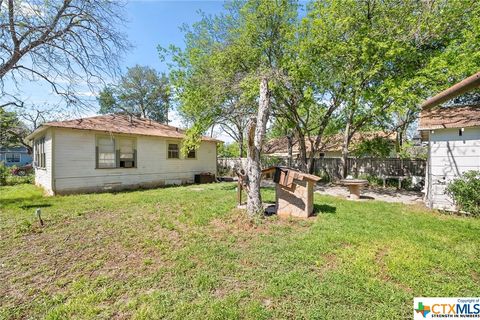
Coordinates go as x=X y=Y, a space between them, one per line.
x=240 y=141
x=290 y=150
x=346 y=142
x=302 y=148
x=311 y=159
x=256 y=134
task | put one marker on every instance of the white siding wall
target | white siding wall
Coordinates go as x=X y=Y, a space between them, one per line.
x=449 y=156
x=75 y=164
x=43 y=176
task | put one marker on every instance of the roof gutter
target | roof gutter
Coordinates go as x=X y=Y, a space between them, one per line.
x=35 y=132
x=463 y=86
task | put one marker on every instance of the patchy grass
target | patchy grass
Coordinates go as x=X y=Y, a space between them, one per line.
x=186 y=253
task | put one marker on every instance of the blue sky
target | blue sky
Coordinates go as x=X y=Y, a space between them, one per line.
x=150 y=23
x=153 y=23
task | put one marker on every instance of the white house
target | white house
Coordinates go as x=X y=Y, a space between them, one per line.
x=453 y=135
x=111 y=152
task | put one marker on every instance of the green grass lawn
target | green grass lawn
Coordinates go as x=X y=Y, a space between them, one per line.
x=186 y=253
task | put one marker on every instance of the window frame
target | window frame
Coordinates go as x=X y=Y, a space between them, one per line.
x=188 y=155
x=117 y=153
x=97 y=152
x=13 y=154
x=168 y=150
x=42 y=162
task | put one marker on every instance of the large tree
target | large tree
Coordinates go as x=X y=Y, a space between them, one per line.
x=142 y=91
x=242 y=49
x=382 y=55
x=70 y=45
x=12 y=130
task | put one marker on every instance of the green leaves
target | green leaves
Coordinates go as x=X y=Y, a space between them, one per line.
x=142 y=91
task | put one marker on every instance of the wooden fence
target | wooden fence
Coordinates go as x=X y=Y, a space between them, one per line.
x=332 y=167
x=381 y=168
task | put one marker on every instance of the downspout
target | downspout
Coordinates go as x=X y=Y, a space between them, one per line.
x=429 y=172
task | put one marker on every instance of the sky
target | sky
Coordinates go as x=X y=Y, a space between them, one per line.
x=157 y=23
x=153 y=23
x=150 y=23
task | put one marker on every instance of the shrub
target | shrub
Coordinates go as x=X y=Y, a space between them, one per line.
x=465 y=191
x=3 y=174
x=7 y=178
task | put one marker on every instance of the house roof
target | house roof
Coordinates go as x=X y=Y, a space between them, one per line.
x=119 y=123
x=13 y=149
x=449 y=117
x=457 y=89
x=328 y=144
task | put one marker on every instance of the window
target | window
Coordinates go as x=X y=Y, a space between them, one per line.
x=192 y=154
x=39 y=156
x=127 y=153
x=12 y=157
x=116 y=153
x=173 y=151
x=106 y=152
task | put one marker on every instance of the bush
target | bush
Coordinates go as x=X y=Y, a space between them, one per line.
x=7 y=178
x=4 y=172
x=465 y=191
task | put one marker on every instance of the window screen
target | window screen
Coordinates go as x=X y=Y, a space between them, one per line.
x=173 y=151
x=106 y=153
x=126 y=152
x=39 y=155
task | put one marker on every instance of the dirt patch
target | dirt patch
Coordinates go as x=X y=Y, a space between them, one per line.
x=475 y=276
x=238 y=224
x=98 y=244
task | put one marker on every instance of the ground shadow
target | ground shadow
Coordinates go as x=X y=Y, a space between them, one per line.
x=35 y=205
x=323 y=208
x=228 y=186
x=18 y=200
x=367 y=198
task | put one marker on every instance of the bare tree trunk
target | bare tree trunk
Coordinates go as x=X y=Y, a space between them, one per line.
x=240 y=141
x=256 y=134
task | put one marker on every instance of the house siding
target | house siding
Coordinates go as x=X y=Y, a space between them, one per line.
x=75 y=164
x=43 y=176
x=450 y=155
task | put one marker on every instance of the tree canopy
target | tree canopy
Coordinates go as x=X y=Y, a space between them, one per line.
x=341 y=66
x=69 y=45
x=142 y=91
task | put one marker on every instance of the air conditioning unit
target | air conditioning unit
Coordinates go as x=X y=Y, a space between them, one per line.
x=127 y=164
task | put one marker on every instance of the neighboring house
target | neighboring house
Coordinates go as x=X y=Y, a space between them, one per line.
x=116 y=151
x=453 y=135
x=331 y=146
x=15 y=156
